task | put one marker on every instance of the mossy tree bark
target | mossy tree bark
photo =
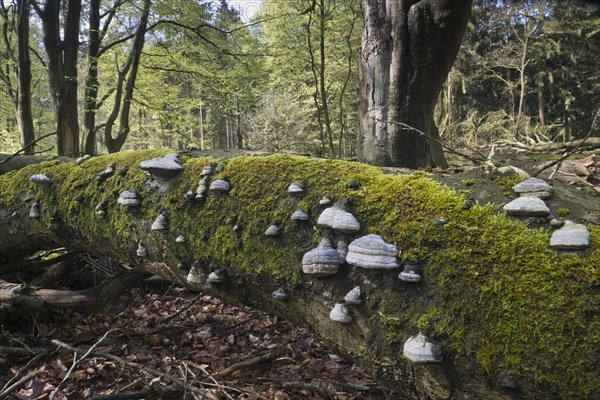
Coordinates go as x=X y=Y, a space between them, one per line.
x=408 y=48
x=472 y=274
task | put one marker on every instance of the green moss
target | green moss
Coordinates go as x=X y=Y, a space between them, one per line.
x=492 y=289
x=563 y=212
x=468 y=182
x=506 y=183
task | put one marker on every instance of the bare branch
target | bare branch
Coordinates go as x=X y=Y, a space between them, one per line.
x=572 y=151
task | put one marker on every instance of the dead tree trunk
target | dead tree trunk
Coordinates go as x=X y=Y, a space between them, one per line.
x=472 y=272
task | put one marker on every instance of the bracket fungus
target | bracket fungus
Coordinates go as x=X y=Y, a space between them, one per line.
x=571 y=236
x=238 y=228
x=342 y=249
x=215 y=277
x=527 y=206
x=353 y=296
x=339 y=220
x=82 y=159
x=420 y=349
x=160 y=223
x=183 y=265
x=129 y=198
x=207 y=170
x=141 y=251
x=534 y=187
x=189 y=196
x=220 y=186
x=202 y=188
x=272 y=231
x=325 y=201
x=41 y=180
x=372 y=252
x=411 y=273
x=35 y=210
x=165 y=168
x=339 y=313
x=195 y=276
x=101 y=208
x=107 y=173
x=323 y=260
x=280 y=295
x=296 y=188
x=300 y=215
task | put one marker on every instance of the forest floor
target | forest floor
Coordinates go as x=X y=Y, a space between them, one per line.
x=168 y=342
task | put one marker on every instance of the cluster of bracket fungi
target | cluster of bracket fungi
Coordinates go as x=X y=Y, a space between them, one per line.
x=339 y=244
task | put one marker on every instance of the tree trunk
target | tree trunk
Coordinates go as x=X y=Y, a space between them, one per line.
x=91 y=82
x=322 y=85
x=128 y=77
x=541 y=101
x=408 y=49
x=467 y=289
x=62 y=71
x=24 y=115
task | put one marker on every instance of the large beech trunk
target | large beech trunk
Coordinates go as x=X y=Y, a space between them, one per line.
x=408 y=48
x=380 y=324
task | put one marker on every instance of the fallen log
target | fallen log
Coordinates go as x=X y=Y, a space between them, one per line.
x=513 y=317
x=589 y=143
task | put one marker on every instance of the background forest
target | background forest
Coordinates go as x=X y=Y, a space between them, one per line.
x=207 y=75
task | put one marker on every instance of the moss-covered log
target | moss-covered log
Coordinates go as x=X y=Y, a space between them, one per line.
x=514 y=317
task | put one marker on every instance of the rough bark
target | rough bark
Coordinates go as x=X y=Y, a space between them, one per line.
x=91 y=83
x=24 y=115
x=226 y=234
x=408 y=49
x=62 y=70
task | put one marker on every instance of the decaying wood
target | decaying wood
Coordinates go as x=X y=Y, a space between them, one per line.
x=575 y=148
x=95 y=298
x=309 y=304
x=588 y=144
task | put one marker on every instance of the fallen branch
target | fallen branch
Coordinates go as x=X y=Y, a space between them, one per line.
x=16 y=385
x=589 y=143
x=15 y=378
x=26 y=147
x=250 y=361
x=573 y=150
x=150 y=393
x=149 y=370
x=184 y=309
x=77 y=361
x=97 y=297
